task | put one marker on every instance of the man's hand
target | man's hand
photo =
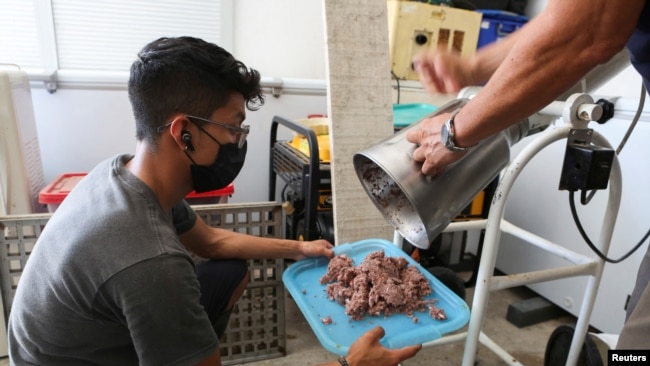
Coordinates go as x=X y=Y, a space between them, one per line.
x=441 y=71
x=367 y=350
x=315 y=248
x=431 y=152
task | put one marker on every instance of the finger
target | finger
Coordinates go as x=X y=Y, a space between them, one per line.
x=377 y=333
x=324 y=248
x=427 y=74
x=436 y=83
x=417 y=60
x=451 y=85
x=430 y=79
x=442 y=72
x=321 y=251
x=419 y=154
x=408 y=352
x=426 y=79
x=430 y=168
x=325 y=243
x=418 y=135
x=415 y=135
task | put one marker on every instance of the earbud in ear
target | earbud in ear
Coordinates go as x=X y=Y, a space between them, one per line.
x=187 y=139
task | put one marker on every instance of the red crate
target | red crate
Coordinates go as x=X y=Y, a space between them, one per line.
x=55 y=192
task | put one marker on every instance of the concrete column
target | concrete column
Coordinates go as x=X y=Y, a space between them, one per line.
x=359 y=107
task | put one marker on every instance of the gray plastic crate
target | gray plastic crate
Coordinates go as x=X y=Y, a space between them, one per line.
x=257 y=326
x=20 y=234
x=256 y=330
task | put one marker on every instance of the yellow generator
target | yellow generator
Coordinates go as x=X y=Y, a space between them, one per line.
x=303 y=164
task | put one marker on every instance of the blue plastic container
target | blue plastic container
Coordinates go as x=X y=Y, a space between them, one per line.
x=302 y=280
x=498 y=24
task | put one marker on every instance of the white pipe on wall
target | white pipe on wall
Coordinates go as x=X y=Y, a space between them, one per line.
x=117 y=80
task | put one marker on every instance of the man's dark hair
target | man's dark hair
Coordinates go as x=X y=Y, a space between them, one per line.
x=186 y=75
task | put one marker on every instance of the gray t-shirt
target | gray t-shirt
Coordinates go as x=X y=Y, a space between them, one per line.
x=109 y=283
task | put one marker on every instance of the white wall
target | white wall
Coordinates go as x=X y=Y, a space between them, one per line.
x=281 y=38
x=78 y=128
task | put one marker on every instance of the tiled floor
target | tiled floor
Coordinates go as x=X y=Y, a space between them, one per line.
x=526 y=344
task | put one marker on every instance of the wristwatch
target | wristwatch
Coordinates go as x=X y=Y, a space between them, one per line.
x=447 y=136
x=343 y=361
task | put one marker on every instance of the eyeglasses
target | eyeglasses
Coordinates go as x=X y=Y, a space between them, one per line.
x=242 y=131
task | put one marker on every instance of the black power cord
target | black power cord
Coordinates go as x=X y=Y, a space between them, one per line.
x=397 y=81
x=584 y=235
x=586 y=198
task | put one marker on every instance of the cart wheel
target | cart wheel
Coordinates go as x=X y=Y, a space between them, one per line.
x=557 y=348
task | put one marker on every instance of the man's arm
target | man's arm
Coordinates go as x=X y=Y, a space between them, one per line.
x=565 y=42
x=209 y=242
x=549 y=55
x=447 y=72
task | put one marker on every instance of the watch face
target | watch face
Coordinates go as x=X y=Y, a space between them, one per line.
x=444 y=134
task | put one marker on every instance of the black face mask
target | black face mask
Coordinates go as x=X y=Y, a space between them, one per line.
x=222 y=172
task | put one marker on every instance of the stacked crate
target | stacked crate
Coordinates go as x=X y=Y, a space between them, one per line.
x=256 y=330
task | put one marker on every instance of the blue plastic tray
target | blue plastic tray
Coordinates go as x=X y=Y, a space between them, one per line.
x=407 y=114
x=302 y=280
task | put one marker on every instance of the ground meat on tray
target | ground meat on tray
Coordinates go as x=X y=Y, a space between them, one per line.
x=380 y=285
x=335 y=266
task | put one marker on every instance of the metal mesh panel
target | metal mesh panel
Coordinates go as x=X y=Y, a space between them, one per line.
x=289 y=164
x=256 y=330
x=19 y=236
x=259 y=219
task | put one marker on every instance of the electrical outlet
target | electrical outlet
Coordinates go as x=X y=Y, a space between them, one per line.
x=586 y=167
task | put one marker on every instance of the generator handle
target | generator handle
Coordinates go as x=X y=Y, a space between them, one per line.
x=312 y=180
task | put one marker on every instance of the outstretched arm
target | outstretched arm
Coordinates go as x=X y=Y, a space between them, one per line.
x=209 y=242
x=547 y=56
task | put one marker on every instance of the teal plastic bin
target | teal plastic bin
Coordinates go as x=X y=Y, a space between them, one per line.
x=406 y=114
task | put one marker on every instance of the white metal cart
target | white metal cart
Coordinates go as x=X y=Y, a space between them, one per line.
x=576 y=112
